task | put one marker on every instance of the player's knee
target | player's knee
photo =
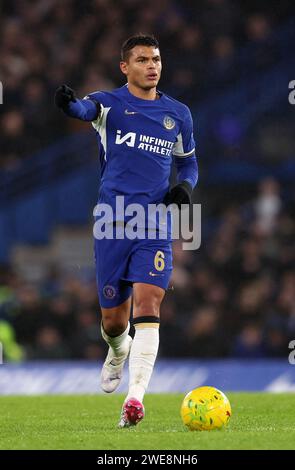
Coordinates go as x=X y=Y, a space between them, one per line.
x=146 y=306
x=114 y=326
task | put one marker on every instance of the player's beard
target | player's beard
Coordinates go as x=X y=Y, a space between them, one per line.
x=148 y=87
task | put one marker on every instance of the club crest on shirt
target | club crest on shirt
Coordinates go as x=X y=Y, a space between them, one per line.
x=169 y=123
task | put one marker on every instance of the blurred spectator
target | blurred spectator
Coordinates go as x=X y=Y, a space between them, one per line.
x=267 y=205
x=10 y=349
x=249 y=343
x=13 y=138
x=205 y=335
x=223 y=67
x=258 y=29
x=49 y=345
x=85 y=340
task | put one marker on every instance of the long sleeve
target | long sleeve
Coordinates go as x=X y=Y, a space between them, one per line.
x=86 y=109
x=187 y=169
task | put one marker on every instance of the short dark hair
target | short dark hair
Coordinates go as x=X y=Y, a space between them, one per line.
x=137 y=40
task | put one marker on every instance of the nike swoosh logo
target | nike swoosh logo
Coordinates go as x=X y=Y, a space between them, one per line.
x=154 y=274
x=130 y=112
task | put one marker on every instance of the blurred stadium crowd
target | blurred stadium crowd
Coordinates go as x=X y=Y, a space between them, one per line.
x=44 y=43
x=232 y=298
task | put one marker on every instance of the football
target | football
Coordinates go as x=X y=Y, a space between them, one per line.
x=205 y=409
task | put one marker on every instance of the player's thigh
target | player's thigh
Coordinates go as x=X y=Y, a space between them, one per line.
x=150 y=268
x=112 y=260
x=151 y=263
x=147 y=299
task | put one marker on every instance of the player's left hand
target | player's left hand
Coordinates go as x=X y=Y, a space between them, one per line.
x=180 y=194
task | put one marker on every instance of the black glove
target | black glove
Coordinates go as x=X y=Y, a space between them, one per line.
x=63 y=95
x=180 y=194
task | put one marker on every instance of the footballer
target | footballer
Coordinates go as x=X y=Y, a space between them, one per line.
x=140 y=132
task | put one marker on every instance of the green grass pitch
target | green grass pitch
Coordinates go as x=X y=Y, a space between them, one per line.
x=259 y=421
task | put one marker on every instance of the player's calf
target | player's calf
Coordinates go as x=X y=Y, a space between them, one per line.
x=112 y=370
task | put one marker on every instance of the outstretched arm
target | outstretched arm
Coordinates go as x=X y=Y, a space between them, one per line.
x=86 y=110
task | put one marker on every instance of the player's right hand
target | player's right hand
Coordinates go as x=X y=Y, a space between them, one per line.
x=180 y=194
x=63 y=95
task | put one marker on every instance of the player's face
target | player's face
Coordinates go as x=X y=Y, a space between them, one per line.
x=143 y=68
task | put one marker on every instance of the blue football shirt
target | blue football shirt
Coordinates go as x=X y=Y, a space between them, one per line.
x=137 y=140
